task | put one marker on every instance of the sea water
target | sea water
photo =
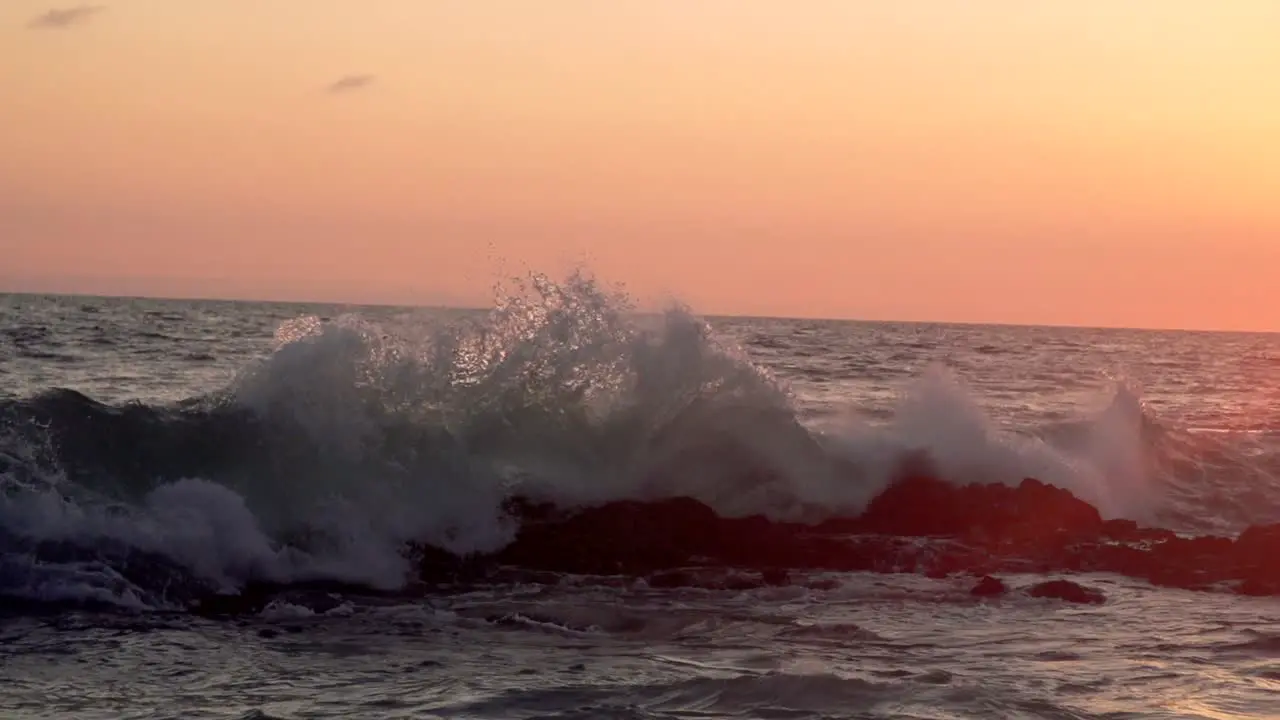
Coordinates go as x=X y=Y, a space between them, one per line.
x=227 y=441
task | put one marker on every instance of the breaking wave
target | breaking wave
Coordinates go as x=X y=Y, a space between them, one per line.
x=354 y=438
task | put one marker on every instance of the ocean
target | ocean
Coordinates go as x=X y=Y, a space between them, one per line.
x=152 y=451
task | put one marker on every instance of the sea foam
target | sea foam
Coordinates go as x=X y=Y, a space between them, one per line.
x=355 y=437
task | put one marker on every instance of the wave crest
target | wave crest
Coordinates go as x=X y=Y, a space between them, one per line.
x=355 y=437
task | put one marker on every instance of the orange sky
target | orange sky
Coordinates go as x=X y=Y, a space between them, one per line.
x=1086 y=162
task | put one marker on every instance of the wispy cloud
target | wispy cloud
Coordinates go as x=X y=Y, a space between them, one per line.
x=63 y=18
x=349 y=83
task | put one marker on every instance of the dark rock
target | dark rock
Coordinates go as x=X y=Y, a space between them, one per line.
x=1066 y=590
x=250 y=601
x=944 y=560
x=1119 y=530
x=1190 y=563
x=1259 y=587
x=634 y=539
x=1123 y=559
x=1031 y=528
x=1257 y=557
x=915 y=505
x=917 y=525
x=742 y=582
x=926 y=506
x=1203 y=547
x=626 y=538
x=988 y=587
x=526 y=510
x=437 y=566
x=1260 y=543
x=776 y=577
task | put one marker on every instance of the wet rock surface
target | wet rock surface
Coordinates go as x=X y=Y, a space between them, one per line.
x=917 y=525
x=988 y=587
x=1066 y=590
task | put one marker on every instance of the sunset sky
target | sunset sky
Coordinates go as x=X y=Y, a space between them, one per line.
x=1090 y=162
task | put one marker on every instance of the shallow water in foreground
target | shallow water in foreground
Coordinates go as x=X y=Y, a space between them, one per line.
x=872 y=647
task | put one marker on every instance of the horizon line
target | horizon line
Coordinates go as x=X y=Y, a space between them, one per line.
x=708 y=316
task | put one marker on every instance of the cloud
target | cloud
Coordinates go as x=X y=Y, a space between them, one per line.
x=63 y=18
x=349 y=83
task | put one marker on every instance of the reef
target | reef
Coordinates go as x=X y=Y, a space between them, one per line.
x=918 y=524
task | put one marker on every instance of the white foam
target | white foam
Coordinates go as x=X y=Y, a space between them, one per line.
x=938 y=416
x=416 y=431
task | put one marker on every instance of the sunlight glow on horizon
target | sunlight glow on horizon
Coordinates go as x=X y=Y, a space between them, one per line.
x=1026 y=161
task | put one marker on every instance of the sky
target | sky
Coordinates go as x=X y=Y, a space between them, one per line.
x=1090 y=162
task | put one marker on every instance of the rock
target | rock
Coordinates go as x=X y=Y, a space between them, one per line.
x=990 y=524
x=944 y=560
x=1257 y=556
x=1259 y=587
x=1119 y=530
x=915 y=505
x=776 y=577
x=1190 y=563
x=742 y=582
x=1203 y=547
x=249 y=601
x=1052 y=508
x=988 y=587
x=926 y=506
x=1120 y=558
x=1067 y=591
x=1260 y=544
x=437 y=566
x=918 y=524
x=627 y=538
x=635 y=539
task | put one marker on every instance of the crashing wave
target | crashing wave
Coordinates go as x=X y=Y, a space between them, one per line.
x=354 y=438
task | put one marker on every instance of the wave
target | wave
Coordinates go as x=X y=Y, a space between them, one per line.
x=773 y=694
x=354 y=438
x=801 y=691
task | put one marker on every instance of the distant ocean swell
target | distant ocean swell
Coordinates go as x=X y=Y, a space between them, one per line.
x=351 y=440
